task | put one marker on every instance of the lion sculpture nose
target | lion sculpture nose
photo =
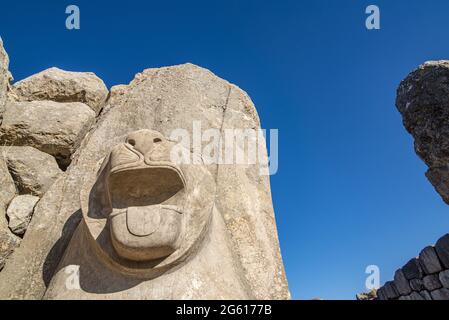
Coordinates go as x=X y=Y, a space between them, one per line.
x=144 y=140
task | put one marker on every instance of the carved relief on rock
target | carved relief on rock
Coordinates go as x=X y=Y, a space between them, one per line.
x=145 y=217
x=131 y=239
x=145 y=213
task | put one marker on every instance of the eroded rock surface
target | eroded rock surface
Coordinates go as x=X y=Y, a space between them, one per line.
x=52 y=127
x=63 y=86
x=33 y=171
x=8 y=188
x=429 y=260
x=19 y=213
x=8 y=241
x=401 y=283
x=423 y=101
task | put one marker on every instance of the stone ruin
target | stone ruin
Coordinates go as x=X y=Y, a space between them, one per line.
x=92 y=207
x=423 y=101
x=425 y=277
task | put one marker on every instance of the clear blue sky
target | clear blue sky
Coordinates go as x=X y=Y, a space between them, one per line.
x=350 y=191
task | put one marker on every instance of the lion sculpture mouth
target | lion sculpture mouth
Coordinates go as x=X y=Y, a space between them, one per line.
x=146 y=193
x=143 y=212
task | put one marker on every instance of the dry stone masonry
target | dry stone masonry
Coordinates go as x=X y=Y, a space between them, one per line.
x=88 y=188
x=422 y=278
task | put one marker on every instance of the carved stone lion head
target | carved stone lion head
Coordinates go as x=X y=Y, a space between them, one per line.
x=145 y=214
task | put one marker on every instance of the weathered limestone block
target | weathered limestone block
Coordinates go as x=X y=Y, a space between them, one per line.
x=401 y=283
x=33 y=171
x=429 y=260
x=442 y=249
x=413 y=269
x=52 y=127
x=444 y=278
x=440 y=294
x=431 y=282
x=8 y=188
x=239 y=241
x=390 y=290
x=19 y=213
x=417 y=284
x=423 y=101
x=8 y=241
x=63 y=86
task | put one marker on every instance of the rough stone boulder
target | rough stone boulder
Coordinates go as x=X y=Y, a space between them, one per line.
x=162 y=100
x=52 y=127
x=423 y=101
x=63 y=86
x=444 y=278
x=32 y=170
x=401 y=283
x=8 y=188
x=429 y=260
x=8 y=241
x=413 y=269
x=19 y=213
x=442 y=249
x=441 y=294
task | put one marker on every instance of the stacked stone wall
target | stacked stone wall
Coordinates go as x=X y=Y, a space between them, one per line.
x=425 y=277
